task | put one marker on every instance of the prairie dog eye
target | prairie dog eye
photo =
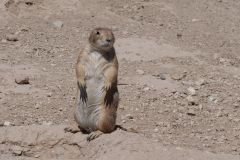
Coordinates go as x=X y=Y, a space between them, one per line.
x=98 y=33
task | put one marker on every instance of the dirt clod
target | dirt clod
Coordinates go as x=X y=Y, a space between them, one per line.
x=12 y=37
x=191 y=91
x=58 y=24
x=22 y=80
x=17 y=150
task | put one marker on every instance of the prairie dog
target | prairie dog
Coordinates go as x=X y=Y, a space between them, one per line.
x=97 y=76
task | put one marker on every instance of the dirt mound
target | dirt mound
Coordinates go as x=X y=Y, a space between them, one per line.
x=51 y=142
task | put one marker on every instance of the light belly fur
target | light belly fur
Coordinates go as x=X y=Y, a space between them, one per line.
x=88 y=114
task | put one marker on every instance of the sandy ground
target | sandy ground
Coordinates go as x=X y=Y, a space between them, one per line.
x=179 y=78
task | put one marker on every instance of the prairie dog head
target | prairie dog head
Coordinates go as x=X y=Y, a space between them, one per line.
x=102 y=38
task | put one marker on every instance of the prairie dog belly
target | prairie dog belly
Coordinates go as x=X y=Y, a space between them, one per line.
x=95 y=78
x=88 y=114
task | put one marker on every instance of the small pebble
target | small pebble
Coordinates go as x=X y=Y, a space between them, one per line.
x=22 y=80
x=4 y=41
x=58 y=24
x=146 y=89
x=36 y=156
x=212 y=99
x=200 y=82
x=140 y=72
x=124 y=121
x=195 y=20
x=17 y=150
x=156 y=130
x=12 y=37
x=49 y=95
x=191 y=91
x=191 y=113
x=37 y=106
x=191 y=100
x=236 y=105
x=162 y=76
x=178 y=76
x=7 y=123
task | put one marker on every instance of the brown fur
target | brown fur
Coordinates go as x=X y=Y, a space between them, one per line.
x=101 y=42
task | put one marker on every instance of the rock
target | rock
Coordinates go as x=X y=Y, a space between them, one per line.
x=225 y=61
x=49 y=94
x=156 y=130
x=3 y=40
x=7 y=123
x=140 y=72
x=191 y=112
x=212 y=98
x=25 y=29
x=124 y=121
x=200 y=82
x=179 y=76
x=195 y=20
x=17 y=150
x=58 y=24
x=191 y=91
x=37 y=106
x=200 y=107
x=121 y=107
x=160 y=76
x=191 y=100
x=146 y=89
x=236 y=105
x=12 y=37
x=22 y=80
x=36 y=156
x=222 y=60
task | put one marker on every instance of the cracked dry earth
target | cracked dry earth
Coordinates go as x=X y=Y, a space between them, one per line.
x=179 y=78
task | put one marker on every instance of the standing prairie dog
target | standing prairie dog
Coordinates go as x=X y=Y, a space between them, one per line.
x=97 y=76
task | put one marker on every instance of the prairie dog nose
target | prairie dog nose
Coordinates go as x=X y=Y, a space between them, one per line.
x=108 y=40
